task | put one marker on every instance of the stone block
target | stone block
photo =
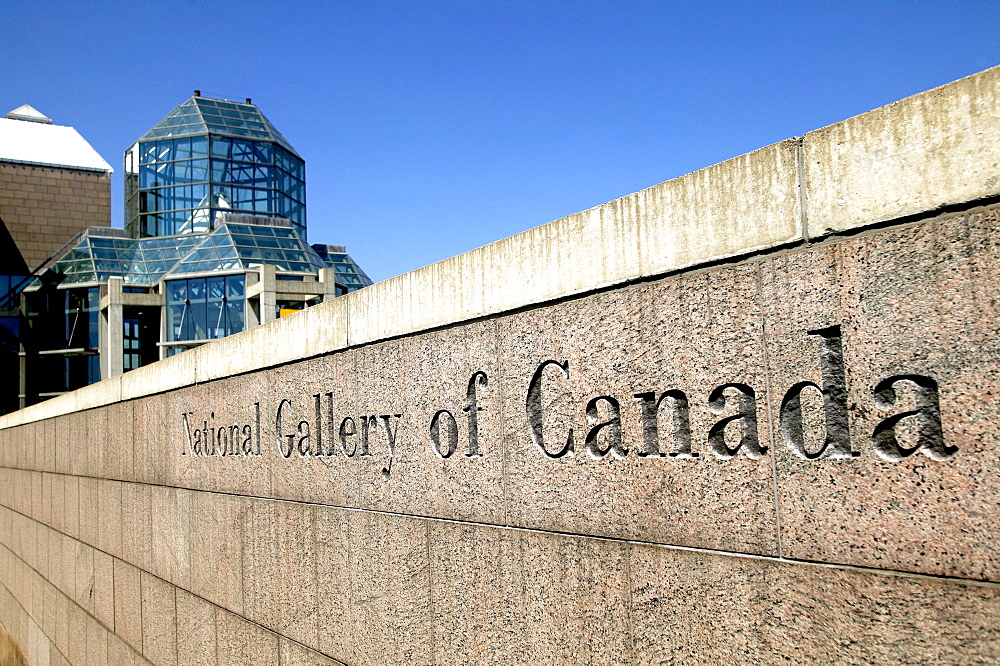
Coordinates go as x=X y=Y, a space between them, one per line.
x=97 y=644
x=217 y=548
x=118 y=453
x=909 y=327
x=915 y=155
x=181 y=426
x=777 y=612
x=196 y=632
x=336 y=566
x=89 y=506
x=478 y=582
x=171 y=546
x=84 y=576
x=150 y=454
x=71 y=505
x=136 y=524
x=159 y=620
x=244 y=431
x=242 y=642
x=375 y=574
x=104 y=589
x=119 y=652
x=297 y=594
x=279 y=591
x=304 y=474
x=69 y=551
x=261 y=593
x=109 y=517
x=128 y=604
x=76 y=650
x=455 y=468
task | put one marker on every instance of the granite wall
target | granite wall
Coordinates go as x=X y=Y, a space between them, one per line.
x=753 y=417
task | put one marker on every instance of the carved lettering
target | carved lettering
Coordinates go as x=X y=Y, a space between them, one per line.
x=348 y=428
x=533 y=407
x=305 y=439
x=927 y=415
x=611 y=428
x=472 y=408
x=444 y=421
x=366 y=423
x=286 y=452
x=390 y=439
x=837 y=445
x=681 y=422
x=319 y=425
x=187 y=434
x=912 y=424
x=222 y=441
x=747 y=415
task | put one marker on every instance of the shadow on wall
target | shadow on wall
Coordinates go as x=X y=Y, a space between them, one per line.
x=10 y=653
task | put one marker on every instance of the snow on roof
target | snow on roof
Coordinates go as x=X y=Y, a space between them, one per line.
x=39 y=143
x=28 y=112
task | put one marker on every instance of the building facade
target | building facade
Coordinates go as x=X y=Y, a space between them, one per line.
x=214 y=243
x=53 y=184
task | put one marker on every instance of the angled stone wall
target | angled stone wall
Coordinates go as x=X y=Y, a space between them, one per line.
x=746 y=415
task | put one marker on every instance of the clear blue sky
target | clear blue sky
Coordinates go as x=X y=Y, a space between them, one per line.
x=430 y=128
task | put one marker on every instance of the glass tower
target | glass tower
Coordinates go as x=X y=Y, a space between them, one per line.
x=207 y=157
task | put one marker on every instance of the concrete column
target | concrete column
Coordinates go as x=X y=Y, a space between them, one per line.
x=249 y=313
x=112 y=338
x=268 y=298
x=327 y=277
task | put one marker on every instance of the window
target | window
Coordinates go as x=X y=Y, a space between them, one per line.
x=205 y=308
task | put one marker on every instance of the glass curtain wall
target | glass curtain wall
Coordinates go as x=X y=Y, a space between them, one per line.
x=185 y=182
x=204 y=309
x=65 y=338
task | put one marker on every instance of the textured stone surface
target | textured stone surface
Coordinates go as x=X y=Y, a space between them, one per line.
x=170 y=530
x=241 y=642
x=909 y=302
x=217 y=564
x=137 y=538
x=159 y=620
x=104 y=589
x=691 y=334
x=128 y=604
x=435 y=375
x=374 y=569
x=936 y=148
x=196 y=630
x=326 y=478
x=293 y=654
x=700 y=608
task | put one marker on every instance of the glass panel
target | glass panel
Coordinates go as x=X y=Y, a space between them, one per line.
x=220 y=147
x=263 y=152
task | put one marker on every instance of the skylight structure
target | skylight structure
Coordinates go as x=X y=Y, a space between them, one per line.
x=206 y=157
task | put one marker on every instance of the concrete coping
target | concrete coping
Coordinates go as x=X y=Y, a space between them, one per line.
x=920 y=154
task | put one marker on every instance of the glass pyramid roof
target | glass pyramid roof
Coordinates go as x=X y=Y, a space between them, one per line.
x=101 y=254
x=202 y=115
x=346 y=270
